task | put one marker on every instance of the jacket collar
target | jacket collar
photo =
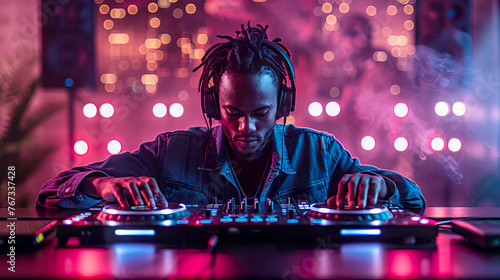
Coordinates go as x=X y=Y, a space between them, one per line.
x=279 y=157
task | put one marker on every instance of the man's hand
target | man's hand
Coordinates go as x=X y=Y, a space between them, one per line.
x=360 y=190
x=139 y=190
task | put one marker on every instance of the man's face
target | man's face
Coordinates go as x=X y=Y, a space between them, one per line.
x=248 y=111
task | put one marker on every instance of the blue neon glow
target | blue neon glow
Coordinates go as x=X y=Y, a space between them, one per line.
x=167 y=211
x=256 y=219
x=324 y=210
x=111 y=223
x=167 y=223
x=360 y=231
x=68 y=82
x=241 y=220
x=135 y=232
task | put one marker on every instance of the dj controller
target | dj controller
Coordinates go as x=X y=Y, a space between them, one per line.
x=181 y=226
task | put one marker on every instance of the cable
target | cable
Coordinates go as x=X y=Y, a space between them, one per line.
x=465 y=219
x=211 y=140
x=282 y=155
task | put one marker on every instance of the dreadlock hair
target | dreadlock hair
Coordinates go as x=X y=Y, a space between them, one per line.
x=244 y=53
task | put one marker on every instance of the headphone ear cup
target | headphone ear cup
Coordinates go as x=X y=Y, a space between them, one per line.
x=210 y=104
x=284 y=102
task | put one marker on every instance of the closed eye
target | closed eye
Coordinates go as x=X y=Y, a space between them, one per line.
x=261 y=113
x=233 y=113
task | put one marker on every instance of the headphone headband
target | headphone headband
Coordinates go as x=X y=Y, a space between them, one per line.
x=291 y=75
x=286 y=95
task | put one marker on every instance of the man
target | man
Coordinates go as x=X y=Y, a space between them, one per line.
x=244 y=85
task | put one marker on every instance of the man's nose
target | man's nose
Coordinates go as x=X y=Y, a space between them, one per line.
x=247 y=125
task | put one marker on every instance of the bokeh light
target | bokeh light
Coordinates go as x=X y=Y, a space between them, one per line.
x=114 y=147
x=90 y=110
x=408 y=9
x=380 y=56
x=159 y=110
x=153 y=7
x=458 y=108
x=176 y=110
x=386 y=31
x=344 y=8
x=106 y=110
x=118 y=38
x=401 y=144
x=368 y=143
x=326 y=8
x=109 y=87
x=190 y=8
x=149 y=79
x=183 y=95
x=401 y=110
x=315 y=109
x=118 y=13
x=409 y=25
x=331 y=19
x=438 y=144
x=334 y=92
x=178 y=13
x=108 y=24
x=202 y=38
x=332 y=108
x=152 y=43
x=328 y=56
x=164 y=3
x=454 y=144
x=151 y=89
x=81 y=147
x=124 y=65
x=165 y=39
x=395 y=90
x=392 y=10
x=104 y=9
x=132 y=9
x=442 y=108
x=371 y=11
x=154 y=22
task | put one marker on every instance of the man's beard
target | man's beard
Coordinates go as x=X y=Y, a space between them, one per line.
x=256 y=155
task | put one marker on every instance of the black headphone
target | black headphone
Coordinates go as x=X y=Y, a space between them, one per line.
x=286 y=94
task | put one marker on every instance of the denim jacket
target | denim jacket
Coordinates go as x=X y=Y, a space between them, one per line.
x=191 y=166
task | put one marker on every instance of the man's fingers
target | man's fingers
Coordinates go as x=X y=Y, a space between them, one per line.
x=363 y=187
x=352 y=191
x=342 y=191
x=159 y=198
x=122 y=199
x=374 y=191
x=359 y=190
x=134 y=192
x=147 y=194
x=332 y=202
x=138 y=191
